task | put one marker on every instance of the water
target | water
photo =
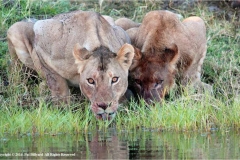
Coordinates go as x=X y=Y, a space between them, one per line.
x=141 y=144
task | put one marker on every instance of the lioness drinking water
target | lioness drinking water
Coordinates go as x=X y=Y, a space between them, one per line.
x=79 y=48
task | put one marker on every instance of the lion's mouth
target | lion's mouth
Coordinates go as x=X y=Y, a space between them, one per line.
x=105 y=116
x=108 y=112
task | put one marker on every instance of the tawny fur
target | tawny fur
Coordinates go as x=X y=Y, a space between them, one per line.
x=158 y=32
x=126 y=23
x=61 y=50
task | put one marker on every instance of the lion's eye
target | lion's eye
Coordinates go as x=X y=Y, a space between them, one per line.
x=159 y=82
x=138 y=81
x=114 y=79
x=90 y=81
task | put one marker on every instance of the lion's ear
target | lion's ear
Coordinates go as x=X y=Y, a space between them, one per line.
x=136 y=58
x=170 y=55
x=125 y=56
x=80 y=54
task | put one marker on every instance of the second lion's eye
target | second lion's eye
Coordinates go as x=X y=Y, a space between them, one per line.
x=90 y=81
x=138 y=81
x=159 y=82
x=114 y=79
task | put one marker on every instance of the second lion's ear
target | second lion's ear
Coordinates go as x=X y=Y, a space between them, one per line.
x=136 y=58
x=80 y=54
x=125 y=56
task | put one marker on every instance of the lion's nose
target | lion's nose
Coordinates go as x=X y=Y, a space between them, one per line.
x=102 y=105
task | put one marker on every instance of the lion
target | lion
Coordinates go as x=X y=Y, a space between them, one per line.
x=79 y=49
x=166 y=50
x=126 y=23
x=129 y=26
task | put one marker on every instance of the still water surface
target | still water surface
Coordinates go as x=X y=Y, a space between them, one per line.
x=112 y=144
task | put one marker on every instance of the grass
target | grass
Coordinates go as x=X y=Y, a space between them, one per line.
x=43 y=120
x=26 y=110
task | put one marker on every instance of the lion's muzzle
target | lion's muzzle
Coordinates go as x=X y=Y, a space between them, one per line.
x=104 y=111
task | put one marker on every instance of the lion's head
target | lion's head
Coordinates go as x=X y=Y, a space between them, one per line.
x=103 y=77
x=170 y=49
x=152 y=75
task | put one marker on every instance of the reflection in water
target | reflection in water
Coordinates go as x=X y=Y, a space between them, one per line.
x=123 y=145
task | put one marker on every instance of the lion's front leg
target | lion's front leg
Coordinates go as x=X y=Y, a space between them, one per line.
x=59 y=88
x=193 y=81
x=204 y=87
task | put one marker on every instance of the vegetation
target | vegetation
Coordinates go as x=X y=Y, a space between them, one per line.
x=25 y=109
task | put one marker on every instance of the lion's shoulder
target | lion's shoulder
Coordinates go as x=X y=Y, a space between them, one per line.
x=89 y=29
